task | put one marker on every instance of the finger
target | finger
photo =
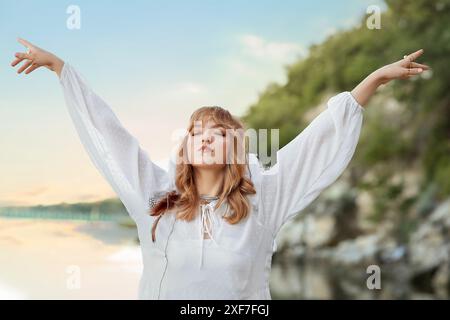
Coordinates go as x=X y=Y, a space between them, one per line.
x=32 y=68
x=22 y=55
x=415 y=55
x=25 y=65
x=25 y=42
x=15 y=62
x=414 y=71
x=418 y=65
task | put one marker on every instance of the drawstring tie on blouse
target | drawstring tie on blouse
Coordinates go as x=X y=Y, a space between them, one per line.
x=208 y=219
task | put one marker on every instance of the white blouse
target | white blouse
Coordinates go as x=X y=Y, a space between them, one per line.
x=235 y=262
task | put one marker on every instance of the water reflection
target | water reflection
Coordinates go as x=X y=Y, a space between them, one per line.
x=315 y=280
x=35 y=256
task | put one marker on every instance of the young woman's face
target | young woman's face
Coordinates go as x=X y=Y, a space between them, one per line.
x=207 y=145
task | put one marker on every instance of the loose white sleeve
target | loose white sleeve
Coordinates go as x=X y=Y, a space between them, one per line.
x=113 y=150
x=312 y=161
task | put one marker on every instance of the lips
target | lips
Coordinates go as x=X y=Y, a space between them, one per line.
x=205 y=149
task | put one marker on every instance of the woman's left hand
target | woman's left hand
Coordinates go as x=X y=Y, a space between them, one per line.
x=402 y=69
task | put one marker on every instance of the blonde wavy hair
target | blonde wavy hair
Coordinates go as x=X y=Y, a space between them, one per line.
x=236 y=185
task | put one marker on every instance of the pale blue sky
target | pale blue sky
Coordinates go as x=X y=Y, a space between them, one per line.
x=154 y=61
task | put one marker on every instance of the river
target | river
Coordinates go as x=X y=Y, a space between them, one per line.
x=76 y=259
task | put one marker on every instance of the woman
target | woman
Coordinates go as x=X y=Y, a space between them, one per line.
x=207 y=228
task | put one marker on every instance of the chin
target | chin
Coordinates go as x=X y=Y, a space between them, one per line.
x=208 y=165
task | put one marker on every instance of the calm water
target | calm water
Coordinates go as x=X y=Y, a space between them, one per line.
x=57 y=259
x=75 y=259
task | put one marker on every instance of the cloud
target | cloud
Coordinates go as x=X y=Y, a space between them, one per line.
x=249 y=66
x=243 y=68
x=262 y=60
x=330 y=31
x=258 y=61
x=350 y=22
x=259 y=47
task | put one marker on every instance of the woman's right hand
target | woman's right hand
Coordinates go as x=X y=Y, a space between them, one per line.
x=35 y=58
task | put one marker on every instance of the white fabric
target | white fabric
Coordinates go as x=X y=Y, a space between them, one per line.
x=208 y=222
x=235 y=263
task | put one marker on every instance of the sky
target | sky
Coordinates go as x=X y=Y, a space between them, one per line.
x=154 y=62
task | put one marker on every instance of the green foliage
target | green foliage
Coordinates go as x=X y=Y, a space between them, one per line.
x=419 y=134
x=346 y=58
x=105 y=209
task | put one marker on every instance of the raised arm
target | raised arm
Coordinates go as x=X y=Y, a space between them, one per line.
x=314 y=159
x=402 y=69
x=319 y=154
x=113 y=150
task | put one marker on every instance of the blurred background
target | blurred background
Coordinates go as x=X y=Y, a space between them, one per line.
x=64 y=234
